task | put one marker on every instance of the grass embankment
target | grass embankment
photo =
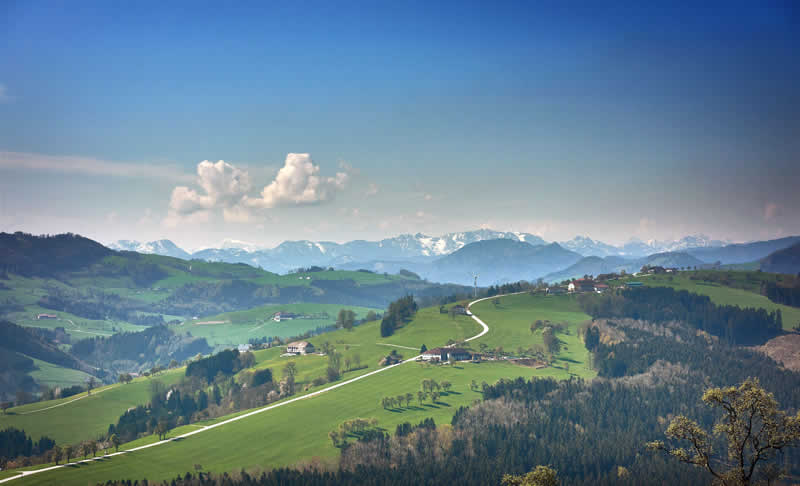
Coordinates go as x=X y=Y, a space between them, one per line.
x=74 y=419
x=298 y=431
x=726 y=295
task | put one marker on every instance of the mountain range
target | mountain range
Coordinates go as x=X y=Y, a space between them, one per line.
x=454 y=256
x=417 y=247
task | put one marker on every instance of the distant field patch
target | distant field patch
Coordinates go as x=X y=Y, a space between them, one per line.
x=233 y=328
x=57 y=376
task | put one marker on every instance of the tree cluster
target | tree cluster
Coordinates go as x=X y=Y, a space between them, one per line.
x=15 y=443
x=399 y=313
x=782 y=294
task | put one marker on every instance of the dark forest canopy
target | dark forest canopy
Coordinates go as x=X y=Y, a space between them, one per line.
x=747 y=326
x=30 y=255
x=156 y=345
x=16 y=443
x=783 y=294
x=399 y=313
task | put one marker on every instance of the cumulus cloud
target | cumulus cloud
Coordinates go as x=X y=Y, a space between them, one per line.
x=298 y=183
x=372 y=190
x=225 y=187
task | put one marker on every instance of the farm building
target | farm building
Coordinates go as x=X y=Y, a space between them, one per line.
x=283 y=316
x=445 y=354
x=581 y=285
x=300 y=347
x=459 y=309
x=600 y=288
x=46 y=316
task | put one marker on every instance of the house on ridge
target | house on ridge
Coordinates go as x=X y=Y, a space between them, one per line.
x=300 y=347
x=446 y=354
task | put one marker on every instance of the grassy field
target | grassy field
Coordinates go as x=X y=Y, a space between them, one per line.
x=20 y=296
x=28 y=291
x=724 y=295
x=70 y=421
x=57 y=376
x=282 y=436
x=298 y=431
x=238 y=327
x=510 y=323
x=201 y=273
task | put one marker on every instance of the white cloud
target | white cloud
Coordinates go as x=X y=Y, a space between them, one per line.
x=237 y=214
x=224 y=187
x=428 y=197
x=372 y=190
x=298 y=183
x=88 y=165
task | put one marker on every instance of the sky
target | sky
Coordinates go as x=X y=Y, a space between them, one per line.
x=269 y=121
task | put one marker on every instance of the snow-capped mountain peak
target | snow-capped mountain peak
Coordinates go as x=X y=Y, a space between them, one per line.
x=228 y=244
x=158 y=247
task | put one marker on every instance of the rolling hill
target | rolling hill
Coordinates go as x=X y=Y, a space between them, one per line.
x=498 y=261
x=786 y=260
x=743 y=252
x=596 y=265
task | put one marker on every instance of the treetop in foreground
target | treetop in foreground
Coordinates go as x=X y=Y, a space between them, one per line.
x=754 y=427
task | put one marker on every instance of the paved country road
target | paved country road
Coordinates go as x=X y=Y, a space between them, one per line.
x=254 y=412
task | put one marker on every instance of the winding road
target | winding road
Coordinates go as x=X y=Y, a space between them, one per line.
x=22 y=474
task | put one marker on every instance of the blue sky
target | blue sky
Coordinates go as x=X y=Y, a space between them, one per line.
x=531 y=116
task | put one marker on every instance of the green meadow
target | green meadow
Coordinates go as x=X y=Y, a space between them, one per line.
x=233 y=328
x=299 y=431
x=510 y=320
x=74 y=419
x=27 y=292
x=57 y=376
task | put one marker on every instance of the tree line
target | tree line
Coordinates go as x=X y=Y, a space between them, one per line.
x=16 y=443
x=782 y=294
x=748 y=326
